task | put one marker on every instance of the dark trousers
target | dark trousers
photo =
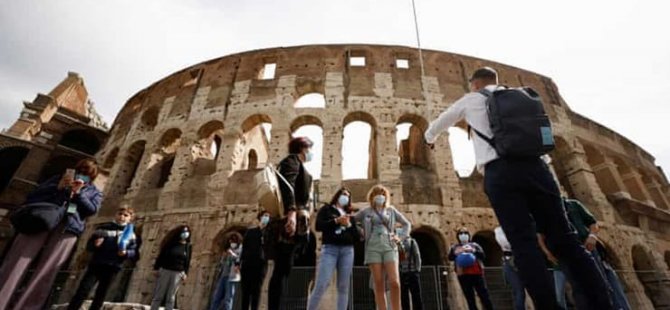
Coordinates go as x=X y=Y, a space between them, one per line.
x=523 y=194
x=410 y=283
x=103 y=275
x=252 y=281
x=283 y=263
x=471 y=283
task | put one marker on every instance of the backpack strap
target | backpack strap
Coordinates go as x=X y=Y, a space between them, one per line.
x=486 y=93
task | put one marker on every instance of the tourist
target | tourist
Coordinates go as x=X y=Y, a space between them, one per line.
x=468 y=257
x=522 y=191
x=510 y=271
x=295 y=197
x=619 y=296
x=381 y=244
x=172 y=267
x=228 y=273
x=410 y=272
x=112 y=243
x=72 y=198
x=253 y=262
x=337 y=251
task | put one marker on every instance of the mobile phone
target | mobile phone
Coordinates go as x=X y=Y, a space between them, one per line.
x=69 y=173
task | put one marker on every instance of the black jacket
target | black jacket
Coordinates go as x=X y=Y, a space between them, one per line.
x=107 y=252
x=325 y=223
x=174 y=256
x=295 y=173
x=253 y=255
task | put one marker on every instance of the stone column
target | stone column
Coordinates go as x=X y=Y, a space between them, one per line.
x=636 y=188
x=656 y=191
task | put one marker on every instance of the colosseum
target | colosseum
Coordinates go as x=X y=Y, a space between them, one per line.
x=185 y=150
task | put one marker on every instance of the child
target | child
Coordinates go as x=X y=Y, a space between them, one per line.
x=111 y=244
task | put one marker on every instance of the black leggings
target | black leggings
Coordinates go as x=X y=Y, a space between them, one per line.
x=282 y=268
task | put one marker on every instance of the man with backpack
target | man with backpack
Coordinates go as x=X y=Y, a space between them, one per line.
x=410 y=272
x=511 y=133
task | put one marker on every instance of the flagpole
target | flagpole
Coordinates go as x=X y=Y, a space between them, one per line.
x=418 y=40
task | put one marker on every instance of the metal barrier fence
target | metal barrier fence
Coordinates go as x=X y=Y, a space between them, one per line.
x=434 y=282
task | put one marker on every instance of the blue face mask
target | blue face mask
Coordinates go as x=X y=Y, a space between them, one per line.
x=309 y=156
x=184 y=235
x=343 y=201
x=380 y=199
x=265 y=220
x=400 y=232
x=84 y=178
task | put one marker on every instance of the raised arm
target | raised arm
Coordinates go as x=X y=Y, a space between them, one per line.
x=447 y=118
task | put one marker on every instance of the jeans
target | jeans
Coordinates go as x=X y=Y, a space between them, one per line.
x=252 y=281
x=219 y=293
x=620 y=299
x=410 y=283
x=524 y=196
x=229 y=297
x=559 y=287
x=512 y=277
x=471 y=283
x=103 y=275
x=283 y=263
x=333 y=257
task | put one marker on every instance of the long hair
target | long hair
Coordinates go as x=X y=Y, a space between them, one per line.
x=341 y=191
x=232 y=236
x=379 y=190
x=173 y=236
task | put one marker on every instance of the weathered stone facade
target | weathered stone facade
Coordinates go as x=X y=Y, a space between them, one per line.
x=161 y=160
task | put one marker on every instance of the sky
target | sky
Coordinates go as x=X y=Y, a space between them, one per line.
x=610 y=59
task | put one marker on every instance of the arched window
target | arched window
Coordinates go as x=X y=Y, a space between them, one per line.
x=129 y=165
x=314 y=133
x=162 y=159
x=111 y=159
x=252 y=160
x=358 y=151
x=462 y=152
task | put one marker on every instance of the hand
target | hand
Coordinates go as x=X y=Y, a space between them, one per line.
x=65 y=181
x=458 y=251
x=123 y=253
x=290 y=223
x=98 y=242
x=183 y=278
x=430 y=145
x=590 y=242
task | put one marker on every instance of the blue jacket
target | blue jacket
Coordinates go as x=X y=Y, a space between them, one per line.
x=88 y=202
x=108 y=252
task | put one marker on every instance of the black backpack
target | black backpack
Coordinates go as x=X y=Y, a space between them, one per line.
x=519 y=124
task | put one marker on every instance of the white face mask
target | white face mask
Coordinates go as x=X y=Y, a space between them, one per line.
x=380 y=199
x=233 y=245
x=309 y=156
x=400 y=232
x=463 y=238
x=265 y=220
x=343 y=201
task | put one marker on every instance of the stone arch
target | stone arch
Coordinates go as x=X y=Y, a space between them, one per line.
x=255 y=120
x=128 y=169
x=311 y=100
x=149 y=118
x=162 y=159
x=651 y=277
x=412 y=150
x=311 y=127
x=56 y=166
x=605 y=176
x=630 y=179
x=654 y=187
x=220 y=238
x=431 y=245
x=10 y=161
x=486 y=239
x=111 y=159
x=207 y=148
x=252 y=160
x=81 y=140
x=360 y=118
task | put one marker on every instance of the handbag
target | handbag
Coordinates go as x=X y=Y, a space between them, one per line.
x=34 y=218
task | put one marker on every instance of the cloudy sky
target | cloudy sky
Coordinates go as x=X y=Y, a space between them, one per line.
x=610 y=59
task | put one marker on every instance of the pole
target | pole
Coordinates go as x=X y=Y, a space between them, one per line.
x=418 y=40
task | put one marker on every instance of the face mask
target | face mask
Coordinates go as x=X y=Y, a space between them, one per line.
x=233 y=245
x=184 y=235
x=463 y=238
x=400 y=232
x=309 y=156
x=380 y=199
x=84 y=178
x=265 y=220
x=343 y=201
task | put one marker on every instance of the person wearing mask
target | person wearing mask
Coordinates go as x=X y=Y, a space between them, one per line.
x=337 y=251
x=74 y=197
x=523 y=193
x=171 y=267
x=468 y=257
x=253 y=263
x=510 y=270
x=112 y=243
x=295 y=197
x=410 y=272
x=228 y=273
x=381 y=244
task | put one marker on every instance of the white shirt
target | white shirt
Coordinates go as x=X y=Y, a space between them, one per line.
x=472 y=108
x=502 y=239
